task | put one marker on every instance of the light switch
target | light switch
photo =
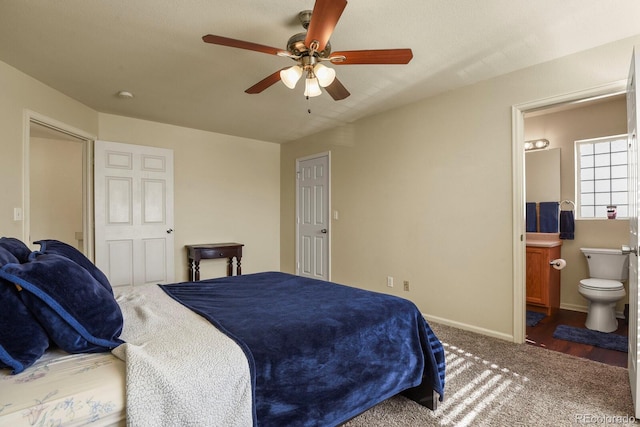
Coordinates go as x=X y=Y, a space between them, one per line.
x=17 y=214
x=335 y=214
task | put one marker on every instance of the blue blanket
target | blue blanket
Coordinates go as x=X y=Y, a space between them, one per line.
x=320 y=353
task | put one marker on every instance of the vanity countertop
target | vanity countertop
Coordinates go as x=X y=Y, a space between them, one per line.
x=544 y=240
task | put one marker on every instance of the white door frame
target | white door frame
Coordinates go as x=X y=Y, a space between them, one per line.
x=632 y=137
x=326 y=154
x=518 y=214
x=87 y=174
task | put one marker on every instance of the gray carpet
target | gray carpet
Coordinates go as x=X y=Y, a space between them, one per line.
x=491 y=382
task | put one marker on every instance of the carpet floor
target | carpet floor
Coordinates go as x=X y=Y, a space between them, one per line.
x=492 y=382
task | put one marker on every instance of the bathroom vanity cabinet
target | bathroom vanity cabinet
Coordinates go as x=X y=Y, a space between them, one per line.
x=543 y=281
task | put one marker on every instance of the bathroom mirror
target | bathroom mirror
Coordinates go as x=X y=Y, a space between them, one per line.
x=542 y=175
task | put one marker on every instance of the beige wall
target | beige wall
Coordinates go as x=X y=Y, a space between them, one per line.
x=55 y=189
x=19 y=93
x=425 y=191
x=226 y=188
x=562 y=129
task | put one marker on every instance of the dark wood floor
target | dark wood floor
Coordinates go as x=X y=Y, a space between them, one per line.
x=542 y=336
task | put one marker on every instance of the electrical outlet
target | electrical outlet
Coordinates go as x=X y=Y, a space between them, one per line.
x=406 y=285
x=390 y=281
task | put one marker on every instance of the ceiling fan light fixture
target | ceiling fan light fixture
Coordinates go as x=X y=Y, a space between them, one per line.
x=290 y=76
x=310 y=47
x=312 y=87
x=325 y=75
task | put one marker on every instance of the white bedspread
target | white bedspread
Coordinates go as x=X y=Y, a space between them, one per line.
x=180 y=369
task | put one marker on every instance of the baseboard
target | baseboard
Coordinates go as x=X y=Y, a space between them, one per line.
x=470 y=328
x=574 y=307
x=496 y=334
x=585 y=309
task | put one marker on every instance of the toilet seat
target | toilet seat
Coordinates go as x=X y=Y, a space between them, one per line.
x=601 y=284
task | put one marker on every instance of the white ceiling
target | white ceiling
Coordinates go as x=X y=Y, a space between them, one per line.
x=91 y=49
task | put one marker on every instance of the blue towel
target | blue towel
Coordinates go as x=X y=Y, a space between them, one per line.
x=549 y=217
x=567 y=225
x=532 y=218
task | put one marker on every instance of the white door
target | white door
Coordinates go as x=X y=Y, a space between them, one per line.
x=134 y=213
x=312 y=176
x=634 y=206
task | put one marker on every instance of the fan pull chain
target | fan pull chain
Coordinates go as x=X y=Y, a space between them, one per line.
x=308 y=105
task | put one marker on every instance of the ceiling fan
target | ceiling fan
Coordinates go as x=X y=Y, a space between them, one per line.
x=309 y=49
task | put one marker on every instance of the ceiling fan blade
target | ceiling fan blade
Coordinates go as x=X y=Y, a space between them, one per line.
x=225 y=41
x=337 y=90
x=324 y=18
x=265 y=83
x=379 y=56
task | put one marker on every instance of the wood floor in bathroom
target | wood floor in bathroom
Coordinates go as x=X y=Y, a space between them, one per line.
x=542 y=336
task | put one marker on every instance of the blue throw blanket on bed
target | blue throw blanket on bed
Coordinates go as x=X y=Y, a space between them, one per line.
x=320 y=353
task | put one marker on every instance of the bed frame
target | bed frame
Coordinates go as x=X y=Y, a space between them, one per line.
x=424 y=393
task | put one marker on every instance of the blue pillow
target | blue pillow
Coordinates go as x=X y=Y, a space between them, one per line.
x=7 y=257
x=22 y=339
x=57 y=247
x=78 y=313
x=16 y=247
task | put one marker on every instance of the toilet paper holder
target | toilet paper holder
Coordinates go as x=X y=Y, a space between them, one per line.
x=558 y=263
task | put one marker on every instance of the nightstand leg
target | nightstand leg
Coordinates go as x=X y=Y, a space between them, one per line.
x=230 y=266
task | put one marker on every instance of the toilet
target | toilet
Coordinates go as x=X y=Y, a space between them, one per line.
x=608 y=268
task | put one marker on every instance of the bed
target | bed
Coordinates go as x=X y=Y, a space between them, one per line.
x=260 y=349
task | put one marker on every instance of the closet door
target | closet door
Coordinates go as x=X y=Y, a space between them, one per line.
x=312 y=224
x=134 y=213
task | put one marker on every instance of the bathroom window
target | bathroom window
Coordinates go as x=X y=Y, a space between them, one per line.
x=601 y=177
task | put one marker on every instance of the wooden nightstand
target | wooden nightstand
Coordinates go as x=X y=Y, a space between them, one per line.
x=212 y=251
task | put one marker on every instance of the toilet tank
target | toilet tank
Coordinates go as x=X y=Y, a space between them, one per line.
x=609 y=264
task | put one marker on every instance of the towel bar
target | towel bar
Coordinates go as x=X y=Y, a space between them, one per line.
x=573 y=205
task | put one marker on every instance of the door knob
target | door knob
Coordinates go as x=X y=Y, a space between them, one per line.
x=626 y=250
x=323 y=231
x=169 y=231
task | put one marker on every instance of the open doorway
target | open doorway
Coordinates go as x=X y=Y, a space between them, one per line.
x=57 y=184
x=519 y=112
x=587 y=123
